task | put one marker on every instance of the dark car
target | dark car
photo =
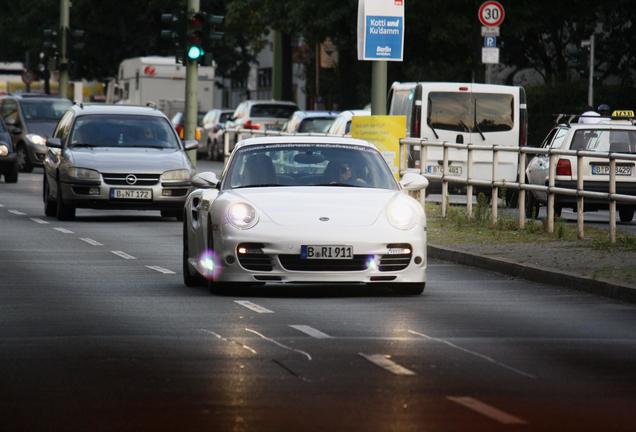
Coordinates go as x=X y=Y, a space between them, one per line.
x=30 y=119
x=8 y=160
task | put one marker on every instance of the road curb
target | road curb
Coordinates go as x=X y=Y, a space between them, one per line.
x=535 y=274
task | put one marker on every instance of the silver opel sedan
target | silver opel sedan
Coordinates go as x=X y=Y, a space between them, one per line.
x=116 y=157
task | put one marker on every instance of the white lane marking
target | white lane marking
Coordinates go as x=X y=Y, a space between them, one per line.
x=123 y=255
x=262 y=336
x=90 y=241
x=314 y=333
x=218 y=336
x=39 y=221
x=64 y=230
x=160 y=269
x=476 y=354
x=383 y=361
x=253 y=306
x=17 y=212
x=487 y=410
x=1 y=205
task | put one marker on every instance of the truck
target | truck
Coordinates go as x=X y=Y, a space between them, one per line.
x=159 y=81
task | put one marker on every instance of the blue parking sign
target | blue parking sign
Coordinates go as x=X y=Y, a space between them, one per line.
x=490 y=41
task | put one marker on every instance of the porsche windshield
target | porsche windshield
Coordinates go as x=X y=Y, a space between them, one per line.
x=345 y=165
x=123 y=131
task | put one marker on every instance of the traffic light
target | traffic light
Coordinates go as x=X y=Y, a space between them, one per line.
x=173 y=34
x=195 y=36
x=50 y=44
x=75 y=41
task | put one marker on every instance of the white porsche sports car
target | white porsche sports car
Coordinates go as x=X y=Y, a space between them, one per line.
x=297 y=210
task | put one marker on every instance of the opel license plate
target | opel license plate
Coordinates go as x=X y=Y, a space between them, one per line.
x=326 y=252
x=132 y=194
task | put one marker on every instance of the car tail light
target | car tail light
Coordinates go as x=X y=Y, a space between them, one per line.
x=564 y=168
x=180 y=130
x=249 y=125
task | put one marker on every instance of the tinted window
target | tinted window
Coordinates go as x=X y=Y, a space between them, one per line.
x=123 y=131
x=308 y=165
x=613 y=140
x=44 y=110
x=272 y=110
x=402 y=104
x=466 y=112
x=225 y=117
x=316 y=124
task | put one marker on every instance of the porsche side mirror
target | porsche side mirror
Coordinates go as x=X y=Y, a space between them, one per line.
x=205 y=180
x=413 y=182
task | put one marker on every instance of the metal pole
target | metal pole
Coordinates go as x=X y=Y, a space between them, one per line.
x=590 y=90
x=277 y=71
x=191 y=103
x=445 y=182
x=469 y=187
x=612 y=206
x=378 y=87
x=551 y=182
x=580 y=204
x=522 y=192
x=495 y=189
x=423 y=158
x=317 y=97
x=64 y=25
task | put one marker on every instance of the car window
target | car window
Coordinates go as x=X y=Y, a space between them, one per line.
x=608 y=140
x=123 y=131
x=225 y=117
x=10 y=111
x=316 y=124
x=272 y=110
x=559 y=138
x=308 y=165
x=62 y=129
x=44 y=109
x=470 y=112
x=493 y=112
x=402 y=104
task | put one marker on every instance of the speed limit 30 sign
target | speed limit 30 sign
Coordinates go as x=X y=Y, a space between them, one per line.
x=491 y=13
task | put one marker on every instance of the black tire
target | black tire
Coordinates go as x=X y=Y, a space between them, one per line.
x=23 y=162
x=532 y=206
x=64 y=212
x=626 y=213
x=189 y=279
x=50 y=206
x=11 y=176
x=411 y=288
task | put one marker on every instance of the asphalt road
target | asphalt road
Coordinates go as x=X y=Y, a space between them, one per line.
x=97 y=332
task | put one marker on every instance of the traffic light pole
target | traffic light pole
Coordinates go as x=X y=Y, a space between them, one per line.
x=191 y=105
x=64 y=28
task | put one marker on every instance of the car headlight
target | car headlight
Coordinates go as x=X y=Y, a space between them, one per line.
x=4 y=150
x=401 y=214
x=242 y=215
x=179 y=175
x=36 y=139
x=83 y=174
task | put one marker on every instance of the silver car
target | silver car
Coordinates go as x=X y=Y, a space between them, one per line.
x=116 y=157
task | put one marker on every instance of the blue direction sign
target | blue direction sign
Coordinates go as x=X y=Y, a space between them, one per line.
x=380 y=30
x=490 y=41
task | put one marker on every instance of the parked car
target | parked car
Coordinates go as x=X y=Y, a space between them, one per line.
x=211 y=142
x=178 y=121
x=8 y=159
x=30 y=119
x=616 y=136
x=303 y=209
x=310 y=121
x=341 y=126
x=116 y=157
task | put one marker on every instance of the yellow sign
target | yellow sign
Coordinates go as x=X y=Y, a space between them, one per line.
x=385 y=133
x=629 y=114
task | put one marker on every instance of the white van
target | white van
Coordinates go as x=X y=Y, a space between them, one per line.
x=479 y=114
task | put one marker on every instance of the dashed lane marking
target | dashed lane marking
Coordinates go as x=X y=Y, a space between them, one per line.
x=64 y=230
x=17 y=212
x=39 y=221
x=384 y=361
x=160 y=269
x=275 y=342
x=253 y=306
x=487 y=410
x=123 y=255
x=90 y=241
x=224 y=339
x=314 y=333
x=1 y=205
x=476 y=354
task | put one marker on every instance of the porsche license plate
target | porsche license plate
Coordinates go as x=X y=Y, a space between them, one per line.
x=134 y=194
x=326 y=252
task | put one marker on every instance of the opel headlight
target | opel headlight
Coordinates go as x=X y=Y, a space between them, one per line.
x=36 y=139
x=401 y=214
x=180 y=175
x=242 y=215
x=83 y=174
x=4 y=150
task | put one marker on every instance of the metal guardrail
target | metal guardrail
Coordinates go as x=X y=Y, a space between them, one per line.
x=495 y=182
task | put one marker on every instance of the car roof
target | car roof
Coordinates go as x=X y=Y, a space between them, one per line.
x=303 y=139
x=312 y=114
x=90 y=109
x=610 y=124
x=270 y=101
x=33 y=96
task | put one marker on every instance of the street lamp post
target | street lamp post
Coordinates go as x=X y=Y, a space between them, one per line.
x=590 y=88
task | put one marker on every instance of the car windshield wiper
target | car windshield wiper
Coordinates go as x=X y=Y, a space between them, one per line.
x=83 y=145
x=338 y=184
x=477 y=124
x=260 y=185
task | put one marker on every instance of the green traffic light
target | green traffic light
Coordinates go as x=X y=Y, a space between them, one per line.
x=195 y=52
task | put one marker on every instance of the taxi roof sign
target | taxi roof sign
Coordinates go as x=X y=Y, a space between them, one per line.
x=623 y=114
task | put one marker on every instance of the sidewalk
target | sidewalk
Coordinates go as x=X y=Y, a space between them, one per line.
x=593 y=265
